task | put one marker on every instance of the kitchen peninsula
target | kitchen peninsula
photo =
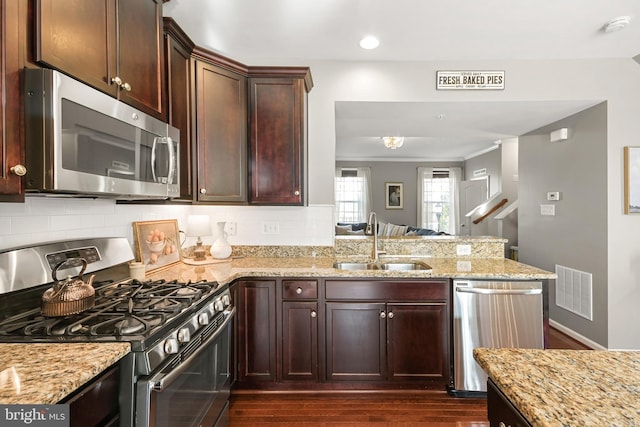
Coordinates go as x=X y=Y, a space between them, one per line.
x=551 y=388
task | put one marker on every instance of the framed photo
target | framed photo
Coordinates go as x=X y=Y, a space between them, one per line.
x=394 y=195
x=157 y=243
x=631 y=180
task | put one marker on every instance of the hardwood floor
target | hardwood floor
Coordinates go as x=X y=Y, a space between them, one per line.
x=356 y=409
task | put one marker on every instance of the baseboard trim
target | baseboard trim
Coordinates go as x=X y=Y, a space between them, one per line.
x=576 y=336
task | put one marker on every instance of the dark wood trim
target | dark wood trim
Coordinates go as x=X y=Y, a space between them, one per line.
x=172 y=27
x=202 y=54
x=281 y=72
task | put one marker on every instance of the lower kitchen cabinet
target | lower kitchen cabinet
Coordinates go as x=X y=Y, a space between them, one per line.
x=256 y=331
x=335 y=333
x=501 y=411
x=300 y=340
x=356 y=341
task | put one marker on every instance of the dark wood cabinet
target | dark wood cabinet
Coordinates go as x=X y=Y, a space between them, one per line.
x=356 y=341
x=278 y=134
x=112 y=45
x=256 y=331
x=96 y=403
x=178 y=48
x=221 y=132
x=11 y=135
x=300 y=330
x=395 y=331
x=501 y=412
x=417 y=342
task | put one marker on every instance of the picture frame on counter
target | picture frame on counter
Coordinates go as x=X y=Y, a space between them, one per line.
x=157 y=243
x=631 y=180
x=394 y=195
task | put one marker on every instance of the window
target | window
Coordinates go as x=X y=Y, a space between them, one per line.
x=352 y=194
x=438 y=205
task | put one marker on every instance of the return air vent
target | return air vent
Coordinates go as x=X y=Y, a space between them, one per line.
x=574 y=291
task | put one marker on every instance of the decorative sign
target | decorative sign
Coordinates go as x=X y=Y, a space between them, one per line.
x=480 y=172
x=469 y=80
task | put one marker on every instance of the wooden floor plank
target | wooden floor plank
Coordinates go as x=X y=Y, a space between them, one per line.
x=352 y=409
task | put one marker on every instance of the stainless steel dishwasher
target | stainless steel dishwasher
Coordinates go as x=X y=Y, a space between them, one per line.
x=494 y=314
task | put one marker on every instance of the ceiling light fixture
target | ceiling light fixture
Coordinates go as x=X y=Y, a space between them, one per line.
x=369 y=42
x=393 y=142
x=616 y=24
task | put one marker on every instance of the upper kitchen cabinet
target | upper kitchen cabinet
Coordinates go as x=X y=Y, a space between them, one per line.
x=221 y=129
x=178 y=48
x=11 y=144
x=278 y=134
x=113 y=45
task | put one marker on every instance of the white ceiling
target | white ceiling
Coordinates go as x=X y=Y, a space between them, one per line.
x=290 y=32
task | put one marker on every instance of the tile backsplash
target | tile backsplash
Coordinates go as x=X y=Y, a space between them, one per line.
x=42 y=219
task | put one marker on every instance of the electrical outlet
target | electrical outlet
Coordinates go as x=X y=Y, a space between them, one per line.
x=270 y=227
x=231 y=228
x=462 y=250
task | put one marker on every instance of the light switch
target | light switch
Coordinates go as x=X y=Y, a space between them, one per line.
x=548 y=210
x=553 y=195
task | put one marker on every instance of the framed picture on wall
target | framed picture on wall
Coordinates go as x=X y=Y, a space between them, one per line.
x=631 y=180
x=157 y=243
x=394 y=195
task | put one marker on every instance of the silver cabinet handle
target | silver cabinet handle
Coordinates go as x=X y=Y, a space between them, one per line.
x=390 y=315
x=117 y=80
x=19 y=170
x=296 y=193
x=126 y=86
x=313 y=313
x=203 y=191
x=383 y=314
x=298 y=290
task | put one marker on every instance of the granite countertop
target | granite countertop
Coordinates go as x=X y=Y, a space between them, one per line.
x=568 y=387
x=46 y=373
x=468 y=268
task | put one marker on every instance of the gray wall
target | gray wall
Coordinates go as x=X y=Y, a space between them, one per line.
x=489 y=161
x=404 y=172
x=576 y=236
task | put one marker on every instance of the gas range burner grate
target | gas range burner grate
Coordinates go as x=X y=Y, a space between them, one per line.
x=125 y=309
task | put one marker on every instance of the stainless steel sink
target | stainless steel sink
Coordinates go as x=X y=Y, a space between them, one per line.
x=390 y=266
x=405 y=266
x=351 y=266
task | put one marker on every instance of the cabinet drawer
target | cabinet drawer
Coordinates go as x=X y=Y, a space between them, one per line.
x=299 y=289
x=413 y=290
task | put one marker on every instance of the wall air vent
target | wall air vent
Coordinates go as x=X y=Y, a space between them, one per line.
x=574 y=291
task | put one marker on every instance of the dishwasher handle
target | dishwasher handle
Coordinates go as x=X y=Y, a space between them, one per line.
x=490 y=291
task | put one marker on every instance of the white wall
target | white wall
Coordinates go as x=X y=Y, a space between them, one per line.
x=42 y=219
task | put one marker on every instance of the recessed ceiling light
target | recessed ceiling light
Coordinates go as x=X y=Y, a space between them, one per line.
x=369 y=42
x=616 y=24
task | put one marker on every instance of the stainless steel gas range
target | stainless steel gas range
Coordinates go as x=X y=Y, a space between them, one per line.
x=178 y=373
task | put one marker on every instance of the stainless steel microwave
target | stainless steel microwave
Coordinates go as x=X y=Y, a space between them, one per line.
x=80 y=141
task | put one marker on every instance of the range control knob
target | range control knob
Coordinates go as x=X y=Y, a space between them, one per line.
x=184 y=335
x=226 y=300
x=171 y=346
x=219 y=305
x=203 y=319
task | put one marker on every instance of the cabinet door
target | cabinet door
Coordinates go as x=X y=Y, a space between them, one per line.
x=78 y=37
x=418 y=342
x=141 y=54
x=178 y=61
x=356 y=341
x=277 y=114
x=221 y=117
x=11 y=143
x=257 y=331
x=300 y=340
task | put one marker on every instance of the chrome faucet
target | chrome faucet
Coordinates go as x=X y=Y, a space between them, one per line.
x=372 y=230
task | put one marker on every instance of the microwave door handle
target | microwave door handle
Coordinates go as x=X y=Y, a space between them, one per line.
x=153 y=159
x=111 y=172
x=172 y=160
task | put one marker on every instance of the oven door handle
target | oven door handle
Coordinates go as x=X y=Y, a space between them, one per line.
x=163 y=380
